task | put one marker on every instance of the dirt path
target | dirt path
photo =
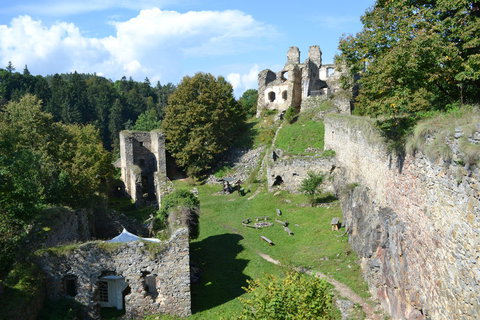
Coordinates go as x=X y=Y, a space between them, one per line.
x=342 y=289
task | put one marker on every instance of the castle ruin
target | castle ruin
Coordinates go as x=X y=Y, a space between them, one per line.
x=143 y=164
x=296 y=82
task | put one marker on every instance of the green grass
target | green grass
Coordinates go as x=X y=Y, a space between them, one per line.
x=227 y=253
x=441 y=127
x=295 y=138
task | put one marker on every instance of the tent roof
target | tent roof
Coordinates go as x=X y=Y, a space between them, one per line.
x=126 y=236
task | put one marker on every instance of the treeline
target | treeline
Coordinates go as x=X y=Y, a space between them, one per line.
x=89 y=99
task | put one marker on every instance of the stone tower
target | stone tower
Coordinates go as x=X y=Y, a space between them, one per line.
x=143 y=164
x=296 y=82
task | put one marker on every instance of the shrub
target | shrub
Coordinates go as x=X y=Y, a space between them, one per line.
x=187 y=214
x=296 y=296
x=290 y=114
x=311 y=185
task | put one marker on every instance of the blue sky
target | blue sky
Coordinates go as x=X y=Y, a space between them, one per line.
x=167 y=39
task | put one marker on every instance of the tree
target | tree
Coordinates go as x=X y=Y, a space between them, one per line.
x=311 y=185
x=201 y=121
x=415 y=55
x=248 y=101
x=147 y=121
x=296 y=296
x=10 y=68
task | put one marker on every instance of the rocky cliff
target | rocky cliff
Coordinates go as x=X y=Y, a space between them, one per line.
x=414 y=222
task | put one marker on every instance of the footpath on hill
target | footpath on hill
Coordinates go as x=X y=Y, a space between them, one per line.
x=343 y=290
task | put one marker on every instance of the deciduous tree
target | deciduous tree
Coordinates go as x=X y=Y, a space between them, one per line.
x=201 y=121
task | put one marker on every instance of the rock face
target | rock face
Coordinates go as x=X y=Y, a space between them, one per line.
x=156 y=276
x=414 y=223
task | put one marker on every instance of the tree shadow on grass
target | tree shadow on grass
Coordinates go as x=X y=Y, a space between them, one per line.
x=222 y=276
x=327 y=198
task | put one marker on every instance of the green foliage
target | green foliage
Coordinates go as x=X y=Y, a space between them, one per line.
x=23 y=285
x=184 y=199
x=311 y=185
x=430 y=135
x=201 y=121
x=296 y=296
x=12 y=232
x=248 y=102
x=88 y=99
x=43 y=162
x=290 y=114
x=62 y=309
x=147 y=121
x=414 y=56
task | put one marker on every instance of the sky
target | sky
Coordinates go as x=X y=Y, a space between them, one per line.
x=165 y=40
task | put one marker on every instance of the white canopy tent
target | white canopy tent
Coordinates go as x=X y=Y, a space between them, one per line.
x=126 y=236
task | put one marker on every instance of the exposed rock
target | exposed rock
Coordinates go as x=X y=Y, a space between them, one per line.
x=414 y=223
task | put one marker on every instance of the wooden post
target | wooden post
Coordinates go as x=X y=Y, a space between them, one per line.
x=287 y=230
x=285 y=224
x=270 y=242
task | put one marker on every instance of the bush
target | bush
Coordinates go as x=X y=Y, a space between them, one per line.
x=290 y=114
x=311 y=185
x=189 y=217
x=294 y=297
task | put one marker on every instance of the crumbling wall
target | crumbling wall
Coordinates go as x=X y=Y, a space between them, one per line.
x=296 y=82
x=169 y=261
x=288 y=172
x=143 y=164
x=415 y=224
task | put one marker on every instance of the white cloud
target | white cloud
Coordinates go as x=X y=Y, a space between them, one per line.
x=155 y=43
x=243 y=82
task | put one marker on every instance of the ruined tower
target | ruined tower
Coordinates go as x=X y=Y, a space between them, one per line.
x=143 y=164
x=295 y=83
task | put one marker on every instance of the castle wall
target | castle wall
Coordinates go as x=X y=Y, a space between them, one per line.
x=293 y=170
x=168 y=261
x=414 y=223
x=299 y=80
x=143 y=164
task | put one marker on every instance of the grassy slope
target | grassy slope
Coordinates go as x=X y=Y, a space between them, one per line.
x=227 y=252
x=302 y=134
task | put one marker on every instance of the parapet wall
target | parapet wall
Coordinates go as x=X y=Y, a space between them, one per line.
x=414 y=222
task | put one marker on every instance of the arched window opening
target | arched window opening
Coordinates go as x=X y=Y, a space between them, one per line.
x=271 y=96
x=284 y=95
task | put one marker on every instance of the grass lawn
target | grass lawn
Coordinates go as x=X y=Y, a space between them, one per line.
x=227 y=253
x=304 y=133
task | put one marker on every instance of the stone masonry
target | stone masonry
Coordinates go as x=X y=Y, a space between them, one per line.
x=166 y=263
x=414 y=222
x=143 y=164
x=296 y=82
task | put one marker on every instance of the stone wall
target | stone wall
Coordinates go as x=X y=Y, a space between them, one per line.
x=292 y=170
x=143 y=164
x=414 y=222
x=168 y=261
